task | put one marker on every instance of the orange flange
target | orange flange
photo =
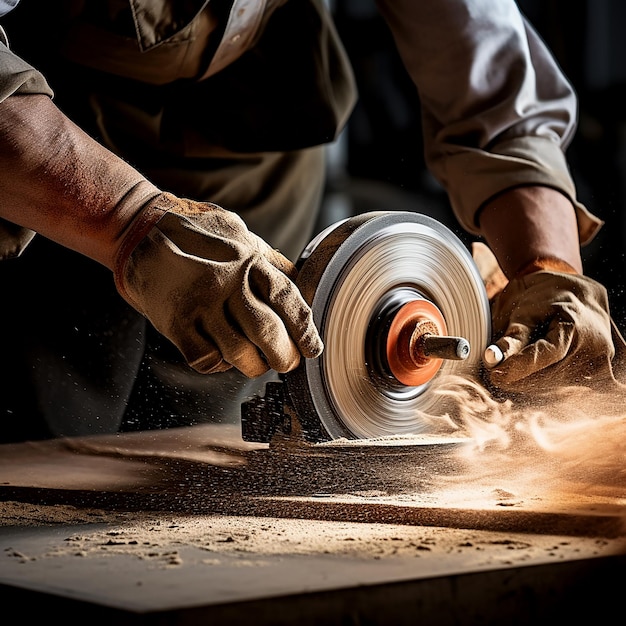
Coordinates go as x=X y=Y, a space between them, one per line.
x=411 y=323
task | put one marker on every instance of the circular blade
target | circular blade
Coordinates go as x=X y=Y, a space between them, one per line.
x=351 y=275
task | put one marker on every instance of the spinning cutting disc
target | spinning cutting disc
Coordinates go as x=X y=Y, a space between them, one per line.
x=381 y=286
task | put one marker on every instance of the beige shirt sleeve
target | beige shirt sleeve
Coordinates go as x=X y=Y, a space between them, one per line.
x=497 y=111
x=16 y=77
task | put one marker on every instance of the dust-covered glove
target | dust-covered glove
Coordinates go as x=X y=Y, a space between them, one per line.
x=220 y=293
x=13 y=239
x=554 y=329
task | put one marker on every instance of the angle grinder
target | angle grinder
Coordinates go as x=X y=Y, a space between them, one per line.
x=399 y=304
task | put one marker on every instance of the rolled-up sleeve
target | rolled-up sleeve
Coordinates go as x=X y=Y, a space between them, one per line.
x=18 y=77
x=497 y=111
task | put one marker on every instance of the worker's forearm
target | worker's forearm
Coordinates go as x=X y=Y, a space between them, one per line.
x=529 y=223
x=61 y=183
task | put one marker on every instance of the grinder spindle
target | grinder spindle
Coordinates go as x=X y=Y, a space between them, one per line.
x=417 y=342
x=446 y=347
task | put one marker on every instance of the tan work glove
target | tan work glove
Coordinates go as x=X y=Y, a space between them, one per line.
x=220 y=293
x=554 y=329
x=13 y=239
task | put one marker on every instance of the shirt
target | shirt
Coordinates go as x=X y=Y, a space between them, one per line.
x=497 y=110
x=7 y=5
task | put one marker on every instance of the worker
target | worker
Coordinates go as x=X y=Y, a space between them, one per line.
x=153 y=115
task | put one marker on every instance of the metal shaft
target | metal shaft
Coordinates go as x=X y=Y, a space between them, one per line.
x=444 y=347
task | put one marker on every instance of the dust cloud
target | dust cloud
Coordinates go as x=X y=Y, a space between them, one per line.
x=573 y=440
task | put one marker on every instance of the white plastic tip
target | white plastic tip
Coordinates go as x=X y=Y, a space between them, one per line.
x=493 y=355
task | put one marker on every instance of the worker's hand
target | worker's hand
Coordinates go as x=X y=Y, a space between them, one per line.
x=220 y=293
x=554 y=329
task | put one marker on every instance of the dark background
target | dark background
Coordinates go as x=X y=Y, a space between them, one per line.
x=378 y=163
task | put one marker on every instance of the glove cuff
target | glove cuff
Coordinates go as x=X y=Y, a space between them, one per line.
x=13 y=239
x=150 y=214
x=545 y=264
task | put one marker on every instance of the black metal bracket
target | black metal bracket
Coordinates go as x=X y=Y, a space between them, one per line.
x=263 y=416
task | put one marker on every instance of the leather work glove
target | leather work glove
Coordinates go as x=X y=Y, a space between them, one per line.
x=554 y=329
x=220 y=293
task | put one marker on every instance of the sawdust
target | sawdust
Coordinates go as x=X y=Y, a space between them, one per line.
x=419 y=439
x=160 y=539
x=27 y=514
x=513 y=459
x=577 y=436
